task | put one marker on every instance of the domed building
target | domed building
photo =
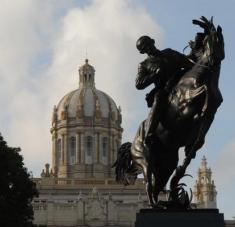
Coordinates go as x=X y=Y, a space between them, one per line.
x=80 y=188
x=86 y=130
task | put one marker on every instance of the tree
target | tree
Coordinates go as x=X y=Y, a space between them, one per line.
x=16 y=189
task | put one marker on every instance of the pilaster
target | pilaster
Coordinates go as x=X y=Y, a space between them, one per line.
x=78 y=147
x=54 y=153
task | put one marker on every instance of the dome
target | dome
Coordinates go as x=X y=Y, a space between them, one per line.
x=86 y=130
x=87 y=101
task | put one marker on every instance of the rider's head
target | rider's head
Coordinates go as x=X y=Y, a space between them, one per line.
x=145 y=44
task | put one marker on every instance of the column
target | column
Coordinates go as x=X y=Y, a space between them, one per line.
x=112 y=159
x=62 y=149
x=82 y=149
x=78 y=147
x=98 y=147
x=80 y=213
x=54 y=152
x=66 y=149
x=50 y=213
x=116 y=147
x=109 y=149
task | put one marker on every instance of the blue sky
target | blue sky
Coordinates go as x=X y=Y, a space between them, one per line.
x=43 y=42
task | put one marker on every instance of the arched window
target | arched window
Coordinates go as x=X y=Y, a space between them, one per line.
x=105 y=146
x=89 y=145
x=59 y=150
x=72 y=150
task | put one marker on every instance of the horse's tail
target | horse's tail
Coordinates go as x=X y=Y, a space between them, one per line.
x=125 y=168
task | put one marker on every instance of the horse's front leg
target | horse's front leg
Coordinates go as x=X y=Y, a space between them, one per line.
x=149 y=186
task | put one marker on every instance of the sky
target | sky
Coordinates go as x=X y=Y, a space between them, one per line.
x=42 y=44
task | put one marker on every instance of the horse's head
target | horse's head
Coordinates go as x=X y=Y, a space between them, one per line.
x=212 y=46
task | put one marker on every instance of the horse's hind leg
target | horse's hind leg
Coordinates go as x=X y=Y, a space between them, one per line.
x=156 y=188
x=149 y=187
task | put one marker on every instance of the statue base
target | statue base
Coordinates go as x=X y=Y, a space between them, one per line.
x=174 y=218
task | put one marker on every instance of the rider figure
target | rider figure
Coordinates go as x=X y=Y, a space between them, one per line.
x=163 y=69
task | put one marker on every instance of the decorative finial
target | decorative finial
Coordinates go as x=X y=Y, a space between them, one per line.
x=47 y=169
x=204 y=162
x=43 y=173
x=110 y=197
x=86 y=75
x=80 y=195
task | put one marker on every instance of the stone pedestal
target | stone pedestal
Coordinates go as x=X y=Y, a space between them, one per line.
x=191 y=218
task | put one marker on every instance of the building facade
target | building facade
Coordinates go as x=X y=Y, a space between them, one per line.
x=87 y=202
x=80 y=188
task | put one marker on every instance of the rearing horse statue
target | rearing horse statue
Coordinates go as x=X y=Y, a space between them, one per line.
x=188 y=106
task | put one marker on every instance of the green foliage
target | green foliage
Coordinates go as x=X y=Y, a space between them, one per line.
x=16 y=189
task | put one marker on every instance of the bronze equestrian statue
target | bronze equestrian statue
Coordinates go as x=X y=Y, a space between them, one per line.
x=183 y=104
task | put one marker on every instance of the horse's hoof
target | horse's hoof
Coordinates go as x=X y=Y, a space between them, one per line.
x=151 y=204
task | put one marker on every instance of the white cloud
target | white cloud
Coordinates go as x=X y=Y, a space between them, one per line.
x=33 y=31
x=108 y=30
x=26 y=35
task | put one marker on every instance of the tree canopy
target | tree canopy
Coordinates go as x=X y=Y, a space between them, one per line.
x=16 y=188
